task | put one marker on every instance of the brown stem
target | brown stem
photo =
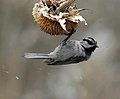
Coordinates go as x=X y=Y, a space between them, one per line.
x=64 y=5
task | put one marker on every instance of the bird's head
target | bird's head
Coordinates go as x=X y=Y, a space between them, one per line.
x=89 y=44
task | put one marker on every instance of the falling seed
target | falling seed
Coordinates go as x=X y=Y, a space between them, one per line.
x=17 y=77
x=40 y=68
x=81 y=78
x=6 y=72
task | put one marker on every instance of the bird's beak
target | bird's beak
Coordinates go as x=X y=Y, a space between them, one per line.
x=97 y=46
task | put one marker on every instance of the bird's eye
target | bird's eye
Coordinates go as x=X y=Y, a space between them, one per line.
x=88 y=41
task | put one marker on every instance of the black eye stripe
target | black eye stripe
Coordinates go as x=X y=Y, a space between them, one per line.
x=88 y=41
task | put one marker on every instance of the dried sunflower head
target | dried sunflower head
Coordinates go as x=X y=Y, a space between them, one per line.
x=56 y=17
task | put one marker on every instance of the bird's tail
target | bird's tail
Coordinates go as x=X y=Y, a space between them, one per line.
x=36 y=56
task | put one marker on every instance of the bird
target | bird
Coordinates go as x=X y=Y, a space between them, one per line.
x=69 y=52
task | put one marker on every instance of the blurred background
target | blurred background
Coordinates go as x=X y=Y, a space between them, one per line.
x=98 y=78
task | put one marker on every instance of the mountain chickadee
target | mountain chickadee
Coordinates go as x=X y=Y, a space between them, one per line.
x=72 y=51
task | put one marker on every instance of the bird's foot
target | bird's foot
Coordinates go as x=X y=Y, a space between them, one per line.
x=71 y=32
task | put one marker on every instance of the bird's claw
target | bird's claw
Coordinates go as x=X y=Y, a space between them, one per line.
x=71 y=32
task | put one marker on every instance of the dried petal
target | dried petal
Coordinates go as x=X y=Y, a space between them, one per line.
x=56 y=24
